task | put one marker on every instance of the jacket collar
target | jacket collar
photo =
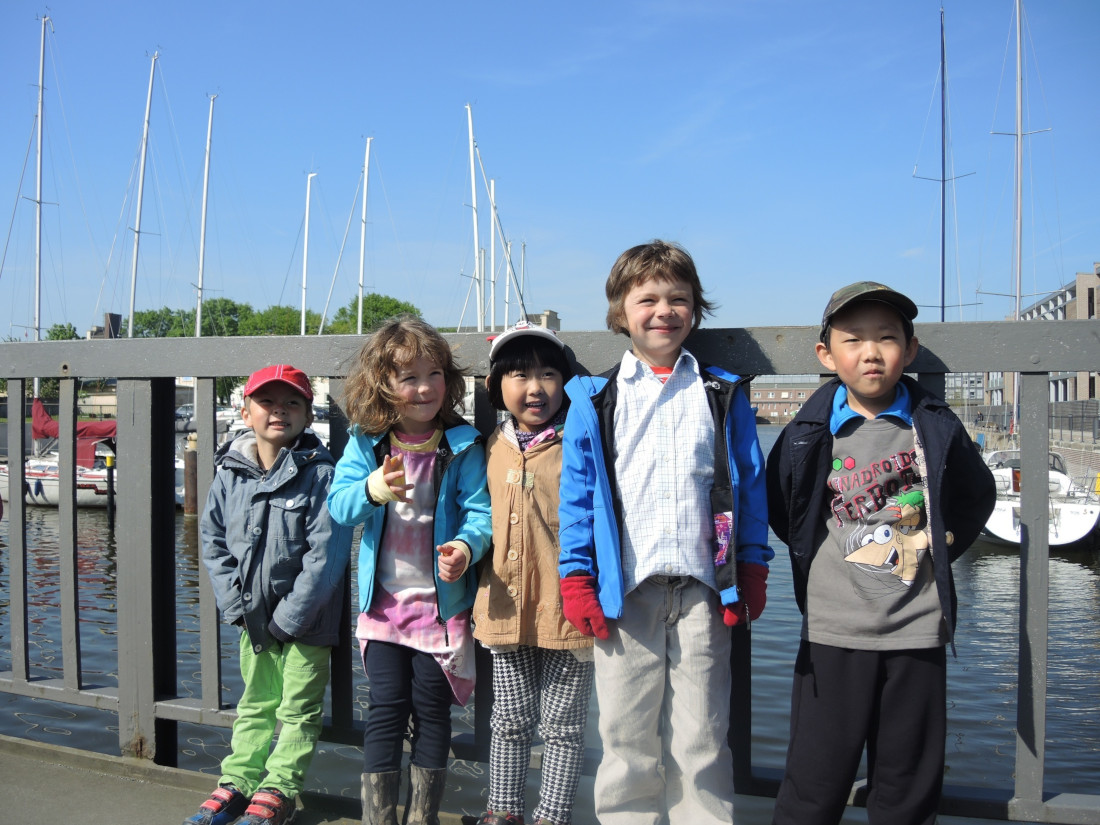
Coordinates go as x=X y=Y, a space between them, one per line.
x=819 y=406
x=241 y=453
x=458 y=437
x=901 y=408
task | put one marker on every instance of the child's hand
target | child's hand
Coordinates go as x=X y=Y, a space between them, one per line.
x=393 y=472
x=454 y=557
x=580 y=603
x=387 y=483
x=752 y=581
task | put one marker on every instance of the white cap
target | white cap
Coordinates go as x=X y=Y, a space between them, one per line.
x=522 y=328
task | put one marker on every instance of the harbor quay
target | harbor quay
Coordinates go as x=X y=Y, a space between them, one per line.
x=139 y=687
x=49 y=783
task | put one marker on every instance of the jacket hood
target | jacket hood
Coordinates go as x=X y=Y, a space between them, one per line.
x=240 y=453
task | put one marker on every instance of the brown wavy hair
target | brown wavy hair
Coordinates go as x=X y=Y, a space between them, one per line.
x=369 y=399
x=658 y=261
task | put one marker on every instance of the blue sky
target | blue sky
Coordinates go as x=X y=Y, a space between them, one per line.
x=775 y=139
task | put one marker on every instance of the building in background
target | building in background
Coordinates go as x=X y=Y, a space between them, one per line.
x=1075 y=301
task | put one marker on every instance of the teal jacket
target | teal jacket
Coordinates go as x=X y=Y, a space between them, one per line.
x=461 y=510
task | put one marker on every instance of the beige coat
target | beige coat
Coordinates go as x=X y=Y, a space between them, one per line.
x=519 y=598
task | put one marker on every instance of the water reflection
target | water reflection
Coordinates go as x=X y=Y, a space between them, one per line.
x=982 y=682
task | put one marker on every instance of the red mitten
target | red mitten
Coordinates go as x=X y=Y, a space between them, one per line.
x=752 y=581
x=581 y=605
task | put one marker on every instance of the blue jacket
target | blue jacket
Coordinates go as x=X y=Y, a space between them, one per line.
x=461 y=510
x=273 y=553
x=590 y=507
x=960 y=487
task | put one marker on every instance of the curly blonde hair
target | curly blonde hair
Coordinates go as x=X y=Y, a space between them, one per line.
x=369 y=399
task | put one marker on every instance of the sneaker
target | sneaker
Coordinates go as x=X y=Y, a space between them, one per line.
x=222 y=808
x=269 y=807
x=491 y=818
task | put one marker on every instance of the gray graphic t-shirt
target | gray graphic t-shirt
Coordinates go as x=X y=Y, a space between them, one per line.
x=871 y=585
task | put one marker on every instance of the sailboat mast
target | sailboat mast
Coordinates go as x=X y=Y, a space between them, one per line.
x=943 y=170
x=1019 y=187
x=1019 y=176
x=507 y=288
x=305 y=250
x=140 y=194
x=202 y=235
x=202 y=227
x=38 y=194
x=478 y=270
x=363 y=236
x=493 y=255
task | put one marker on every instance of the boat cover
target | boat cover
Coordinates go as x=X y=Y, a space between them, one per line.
x=88 y=433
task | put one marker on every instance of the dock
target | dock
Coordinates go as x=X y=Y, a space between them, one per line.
x=47 y=784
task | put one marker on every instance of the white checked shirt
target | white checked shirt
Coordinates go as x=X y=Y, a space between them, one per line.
x=664 y=466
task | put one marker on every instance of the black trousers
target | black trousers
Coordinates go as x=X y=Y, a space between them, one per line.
x=405 y=685
x=895 y=703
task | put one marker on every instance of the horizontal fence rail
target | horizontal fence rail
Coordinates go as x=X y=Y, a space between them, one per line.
x=145 y=370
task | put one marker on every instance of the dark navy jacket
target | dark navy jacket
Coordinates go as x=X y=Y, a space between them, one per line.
x=960 y=488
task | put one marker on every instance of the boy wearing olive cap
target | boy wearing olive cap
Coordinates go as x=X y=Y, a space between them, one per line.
x=876 y=488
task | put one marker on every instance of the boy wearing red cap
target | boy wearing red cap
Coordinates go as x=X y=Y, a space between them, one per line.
x=276 y=562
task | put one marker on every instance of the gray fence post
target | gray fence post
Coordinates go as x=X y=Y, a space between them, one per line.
x=146 y=566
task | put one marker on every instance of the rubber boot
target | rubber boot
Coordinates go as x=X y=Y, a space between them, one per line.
x=425 y=795
x=379 y=796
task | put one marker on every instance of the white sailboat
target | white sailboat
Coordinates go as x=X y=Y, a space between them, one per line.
x=1074 y=510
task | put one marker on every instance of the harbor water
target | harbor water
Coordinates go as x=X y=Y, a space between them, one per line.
x=981 y=680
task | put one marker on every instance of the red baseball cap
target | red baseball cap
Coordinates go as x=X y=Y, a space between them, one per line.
x=284 y=374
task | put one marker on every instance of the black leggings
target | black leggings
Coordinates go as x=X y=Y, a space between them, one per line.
x=404 y=684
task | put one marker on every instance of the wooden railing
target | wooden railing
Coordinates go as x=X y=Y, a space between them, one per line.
x=146 y=699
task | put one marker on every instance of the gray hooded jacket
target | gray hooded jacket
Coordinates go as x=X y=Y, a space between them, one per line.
x=275 y=557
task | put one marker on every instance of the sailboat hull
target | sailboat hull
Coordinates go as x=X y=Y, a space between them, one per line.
x=1073 y=512
x=42 y=485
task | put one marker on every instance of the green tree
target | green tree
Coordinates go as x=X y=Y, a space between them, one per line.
x=220 y=317
x=62 y=332
x=156 y=323
x=377 y=309
x=280 y=320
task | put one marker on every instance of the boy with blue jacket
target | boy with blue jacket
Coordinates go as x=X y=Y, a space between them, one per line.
x=876 y=488
x=664 y=546
x=276 y=562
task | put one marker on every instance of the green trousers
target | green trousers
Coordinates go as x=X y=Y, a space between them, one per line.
x=283 y=684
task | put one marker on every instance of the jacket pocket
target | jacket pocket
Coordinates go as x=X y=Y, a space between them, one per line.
x=286 y=539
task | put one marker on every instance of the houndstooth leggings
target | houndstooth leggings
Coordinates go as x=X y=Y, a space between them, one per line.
x=548 y=688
